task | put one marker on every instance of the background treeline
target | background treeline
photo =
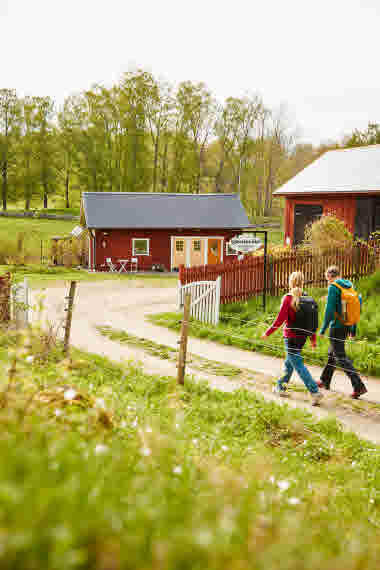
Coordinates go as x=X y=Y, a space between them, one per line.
x=142 y=134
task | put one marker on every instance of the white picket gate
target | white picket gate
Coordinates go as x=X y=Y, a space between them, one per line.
x=205 y=300
x=20 y=303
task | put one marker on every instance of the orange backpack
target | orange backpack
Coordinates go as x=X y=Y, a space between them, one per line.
x=350 y=306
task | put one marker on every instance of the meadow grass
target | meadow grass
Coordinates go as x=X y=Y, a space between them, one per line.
x=242 y=324
x=104 y=467
x=43 y=276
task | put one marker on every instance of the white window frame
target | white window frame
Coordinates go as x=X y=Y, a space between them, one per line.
x=134 y=254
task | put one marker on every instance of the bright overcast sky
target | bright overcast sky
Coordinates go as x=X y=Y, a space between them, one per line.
x=321 y=57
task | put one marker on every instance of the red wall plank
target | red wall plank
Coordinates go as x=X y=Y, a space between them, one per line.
x=119 y=245
x=343 y=207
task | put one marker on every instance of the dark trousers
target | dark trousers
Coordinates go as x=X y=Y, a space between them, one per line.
x=338 y=358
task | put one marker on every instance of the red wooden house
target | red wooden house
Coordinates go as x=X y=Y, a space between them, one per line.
x=166 y=230
x=344 y=182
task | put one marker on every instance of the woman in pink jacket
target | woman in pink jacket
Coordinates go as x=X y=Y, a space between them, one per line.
x=294 y=340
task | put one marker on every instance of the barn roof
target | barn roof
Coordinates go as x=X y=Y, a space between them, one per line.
x=156 y=210
x=351 y=170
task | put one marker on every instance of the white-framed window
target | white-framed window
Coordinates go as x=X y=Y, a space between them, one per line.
x=179 y=245
x=140 y=246
x=197 y=245
x=229 y=250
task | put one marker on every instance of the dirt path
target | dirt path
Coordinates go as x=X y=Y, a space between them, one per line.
x=125 y=305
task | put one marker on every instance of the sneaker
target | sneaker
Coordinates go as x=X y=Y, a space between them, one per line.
x=279 y=389
x=321 y=384
x=356 y=395
x=316 y=398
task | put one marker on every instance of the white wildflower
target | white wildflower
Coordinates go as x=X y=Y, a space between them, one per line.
x=177 y=470
x=176 y=426
x=146 y=451
x=123 y=424
x=353 y=463
x=100 y=449
x=58 y=413
x=225 y=447
x=204 y=538
x=29 y=358
x=272 y=479
x=69 y=394
x=195 y=441
x=148 y=429
x=100 y=403
x=134 y=424
x=283 y=485
x=294 y=501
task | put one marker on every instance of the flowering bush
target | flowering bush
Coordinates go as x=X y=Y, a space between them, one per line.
x=328 y=233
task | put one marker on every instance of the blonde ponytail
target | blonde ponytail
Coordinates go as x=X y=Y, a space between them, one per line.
x=296 y=280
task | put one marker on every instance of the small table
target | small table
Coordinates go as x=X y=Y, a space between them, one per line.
x=123 y=265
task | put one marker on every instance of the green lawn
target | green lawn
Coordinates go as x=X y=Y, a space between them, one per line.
x=106 y=468
x=41 y=276
x=242 y=324
x=34 y=232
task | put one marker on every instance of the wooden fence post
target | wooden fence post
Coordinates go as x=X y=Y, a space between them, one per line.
x=5 y=298
x=183 y=340
x=69 y=316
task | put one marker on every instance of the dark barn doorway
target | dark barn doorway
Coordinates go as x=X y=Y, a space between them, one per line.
x=367 y=219
x=304 y=214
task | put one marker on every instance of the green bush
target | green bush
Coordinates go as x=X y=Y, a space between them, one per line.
x=328 y=233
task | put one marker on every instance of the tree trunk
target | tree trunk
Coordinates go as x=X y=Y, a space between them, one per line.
x=67 y=185
x=218 y=177
x=155 y=164
x=268 y=187
x=164 y=175
x=4 y=189
x=45 y=187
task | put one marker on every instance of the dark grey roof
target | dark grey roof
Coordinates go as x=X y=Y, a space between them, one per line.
x=154 y=210
x=355 y=170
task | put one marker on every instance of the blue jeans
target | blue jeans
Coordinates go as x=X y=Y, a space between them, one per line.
x=294 y=361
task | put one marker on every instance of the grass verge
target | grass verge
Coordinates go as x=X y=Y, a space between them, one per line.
x=242 y=324
x=105 y=467
x=40 y=275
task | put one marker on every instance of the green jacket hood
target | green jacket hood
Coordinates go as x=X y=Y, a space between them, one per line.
x=346 y=283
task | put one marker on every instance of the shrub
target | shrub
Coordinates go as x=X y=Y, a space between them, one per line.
x=328 y=233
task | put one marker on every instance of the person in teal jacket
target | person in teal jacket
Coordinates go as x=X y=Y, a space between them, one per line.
x=338 y=333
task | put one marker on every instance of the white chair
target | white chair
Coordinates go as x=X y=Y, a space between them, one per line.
x=111 y=266
x=134 y=264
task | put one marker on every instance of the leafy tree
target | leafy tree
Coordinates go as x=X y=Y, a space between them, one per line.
x=9 y=131
x=45 y=143
x=364 y=138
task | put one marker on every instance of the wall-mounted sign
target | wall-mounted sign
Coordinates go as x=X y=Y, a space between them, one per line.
x=245 y=243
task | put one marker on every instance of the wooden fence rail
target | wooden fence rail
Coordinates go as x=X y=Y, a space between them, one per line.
x=244 y=279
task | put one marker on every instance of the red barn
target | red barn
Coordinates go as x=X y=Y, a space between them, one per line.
x=166 y=230
x=344 y=182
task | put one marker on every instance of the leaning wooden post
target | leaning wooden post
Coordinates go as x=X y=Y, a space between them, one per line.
x=183 y=340
x=69 y=316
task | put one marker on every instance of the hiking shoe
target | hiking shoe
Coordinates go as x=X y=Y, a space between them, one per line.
x=279 y=389
x=355 y=395
x=316 y=398
x=321 y=384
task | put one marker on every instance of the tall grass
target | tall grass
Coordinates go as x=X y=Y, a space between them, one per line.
x=175 y=477
x=242 y=324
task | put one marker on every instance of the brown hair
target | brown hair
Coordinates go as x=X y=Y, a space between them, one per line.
x=333 y=271
x=296 y=280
